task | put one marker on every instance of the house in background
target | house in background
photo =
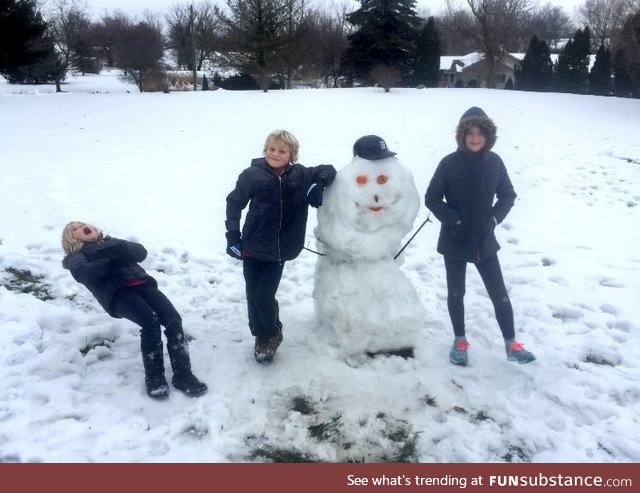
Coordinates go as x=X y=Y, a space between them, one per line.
x=456 y=71
x=459 y=71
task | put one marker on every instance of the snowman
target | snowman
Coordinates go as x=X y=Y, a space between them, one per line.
x=362 y=299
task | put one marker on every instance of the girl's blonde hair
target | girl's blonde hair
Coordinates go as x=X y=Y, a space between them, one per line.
x=285 y=139
x=69 y=243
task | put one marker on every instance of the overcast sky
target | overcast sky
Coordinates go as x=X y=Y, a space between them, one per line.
x=137 y=7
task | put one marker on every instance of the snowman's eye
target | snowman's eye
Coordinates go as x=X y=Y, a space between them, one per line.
x=382 y=179
x=362 y=179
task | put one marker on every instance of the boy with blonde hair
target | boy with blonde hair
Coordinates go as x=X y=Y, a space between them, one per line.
x=278 y=191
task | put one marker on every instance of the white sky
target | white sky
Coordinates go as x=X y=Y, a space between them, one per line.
x=137 y=7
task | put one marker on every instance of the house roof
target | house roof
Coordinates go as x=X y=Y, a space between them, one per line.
x=456 y=64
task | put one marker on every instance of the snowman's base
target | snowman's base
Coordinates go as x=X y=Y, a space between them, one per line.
x=359 y=359
x=406 y=353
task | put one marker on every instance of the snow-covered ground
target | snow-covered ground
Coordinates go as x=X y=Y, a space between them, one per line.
x=157 y=168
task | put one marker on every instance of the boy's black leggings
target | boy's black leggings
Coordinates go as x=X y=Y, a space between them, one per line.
x=491 y=275
x=146 y=306
x=262 y=280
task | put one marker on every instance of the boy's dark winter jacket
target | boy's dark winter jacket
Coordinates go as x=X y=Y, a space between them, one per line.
x=462 y=191
x=106 y=266
x=275 y=225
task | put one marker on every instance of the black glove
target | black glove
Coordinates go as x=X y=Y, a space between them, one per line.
x=314 y=194
x=234 y=244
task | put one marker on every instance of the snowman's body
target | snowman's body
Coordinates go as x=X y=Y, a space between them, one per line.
x=360 y=293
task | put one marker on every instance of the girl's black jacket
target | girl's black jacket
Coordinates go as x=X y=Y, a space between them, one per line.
x=275 y=225
x=105 y=266
x=463 y=189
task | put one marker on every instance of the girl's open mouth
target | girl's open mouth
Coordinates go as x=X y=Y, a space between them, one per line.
x=87 y=230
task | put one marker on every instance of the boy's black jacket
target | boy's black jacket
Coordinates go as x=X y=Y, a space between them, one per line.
x=275 y=225
x=104 y=267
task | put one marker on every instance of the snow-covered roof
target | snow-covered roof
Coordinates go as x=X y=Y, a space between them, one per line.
x=447 y=62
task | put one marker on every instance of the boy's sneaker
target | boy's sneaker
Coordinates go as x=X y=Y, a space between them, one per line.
x=266 y=347
x=458 y=355
x=517 y=352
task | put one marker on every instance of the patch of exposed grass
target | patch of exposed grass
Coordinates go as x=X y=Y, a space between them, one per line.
x=408 y=446
x=597 y=359
x=516 y=453
x=304 y=405
x=24 y=281
x=282 y=455
x=97 y=343
x=327 y=430
x=429 y=400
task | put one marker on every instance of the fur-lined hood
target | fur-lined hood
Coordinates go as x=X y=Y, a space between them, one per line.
x=475 y=116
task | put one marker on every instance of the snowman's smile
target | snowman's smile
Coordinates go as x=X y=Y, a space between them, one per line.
x=375 y=208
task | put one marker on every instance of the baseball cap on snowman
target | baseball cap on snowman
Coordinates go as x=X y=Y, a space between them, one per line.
x=371 y=147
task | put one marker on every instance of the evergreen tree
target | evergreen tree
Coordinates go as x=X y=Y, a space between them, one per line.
x=572 y=69
x=535 y=73
x=623 y=84
x=600 y=75
x=25 y=48
x=385 y=35
x=427 y=64
x=205 y=83
x=631 y=43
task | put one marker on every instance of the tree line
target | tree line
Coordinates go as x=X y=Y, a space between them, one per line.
x=251 y=44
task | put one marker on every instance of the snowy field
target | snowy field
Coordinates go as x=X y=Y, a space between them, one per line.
x=157 y=168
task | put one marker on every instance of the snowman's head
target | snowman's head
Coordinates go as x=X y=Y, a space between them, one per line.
x=380 y=194
x=369 y=208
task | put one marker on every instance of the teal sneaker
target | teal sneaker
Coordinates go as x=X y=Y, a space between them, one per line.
x=517 y=352
x=458 y=355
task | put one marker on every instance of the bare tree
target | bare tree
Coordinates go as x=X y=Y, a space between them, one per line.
x=605 y=19
x=630 y=45
x=495 y=27
x=453 y=25
x=139 y=53
x=549 y=23
x=107 y=32
x=194 y=27
x=72 y=33
x=334 y=41
x=385 y=76
x=296 y=27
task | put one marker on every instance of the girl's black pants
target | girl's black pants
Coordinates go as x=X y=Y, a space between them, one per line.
x=491 y=275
